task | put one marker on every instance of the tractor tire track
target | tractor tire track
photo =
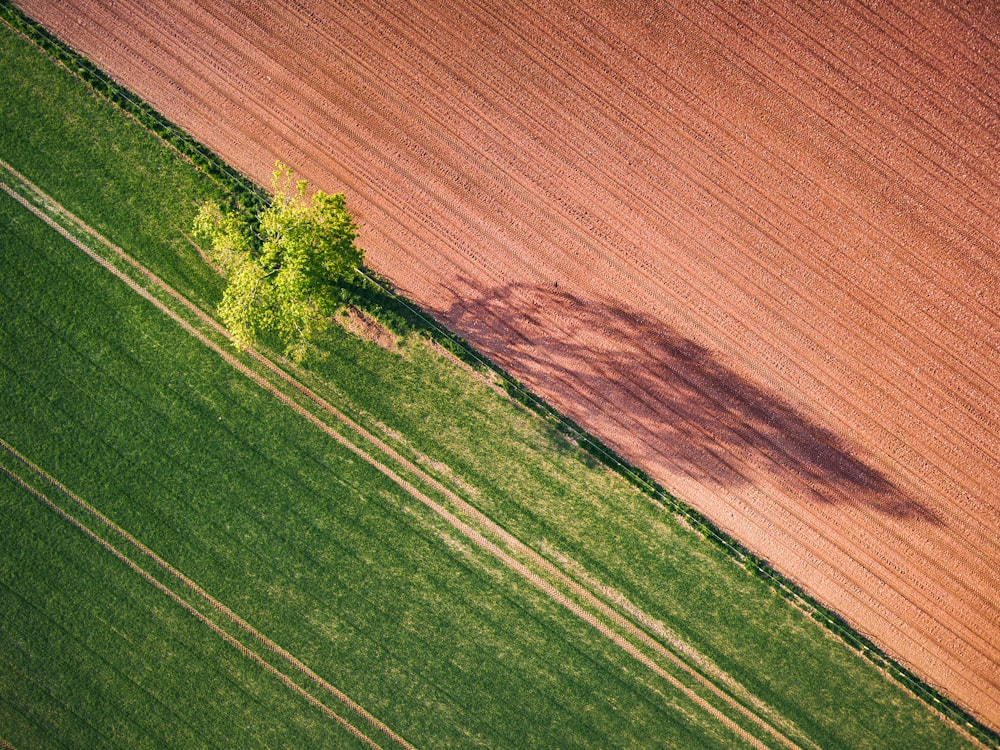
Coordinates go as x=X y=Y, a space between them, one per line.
x=566 y=593
x=215 y=604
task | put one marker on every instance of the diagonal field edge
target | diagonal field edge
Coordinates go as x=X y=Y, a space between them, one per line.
x=236 y=643
x=511 y=542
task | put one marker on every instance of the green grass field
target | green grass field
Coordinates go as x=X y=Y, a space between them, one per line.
x=64 y=681
x=317 y=549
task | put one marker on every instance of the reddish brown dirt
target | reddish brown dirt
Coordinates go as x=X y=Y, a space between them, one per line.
x=753 y=246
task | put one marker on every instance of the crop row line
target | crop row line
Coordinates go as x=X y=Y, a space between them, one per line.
x=188 y=607
x=637 y=395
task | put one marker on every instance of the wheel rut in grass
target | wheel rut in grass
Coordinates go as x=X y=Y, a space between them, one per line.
x=215 y=604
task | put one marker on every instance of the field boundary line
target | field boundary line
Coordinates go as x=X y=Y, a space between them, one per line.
x=509 y=541
x=203 y=158
x=212 y=601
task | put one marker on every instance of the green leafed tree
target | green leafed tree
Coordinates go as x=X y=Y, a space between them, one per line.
x=286 y=268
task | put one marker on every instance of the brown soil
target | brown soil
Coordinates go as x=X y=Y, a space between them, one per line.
x=365 y=326
x=753 y=246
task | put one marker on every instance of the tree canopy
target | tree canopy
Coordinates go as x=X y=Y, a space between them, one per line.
x=286 y=267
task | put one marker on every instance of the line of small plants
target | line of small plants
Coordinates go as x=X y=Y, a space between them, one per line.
x=376 y=296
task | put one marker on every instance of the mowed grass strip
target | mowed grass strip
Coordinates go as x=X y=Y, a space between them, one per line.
x=523 y=474
x=305 y=541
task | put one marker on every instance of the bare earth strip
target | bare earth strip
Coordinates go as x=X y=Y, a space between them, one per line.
x=483 y=532
x=751 y=246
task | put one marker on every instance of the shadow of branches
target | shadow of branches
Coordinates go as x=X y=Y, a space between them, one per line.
x=661 y=398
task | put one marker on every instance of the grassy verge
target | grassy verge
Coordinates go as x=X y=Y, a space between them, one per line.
x=523 y=473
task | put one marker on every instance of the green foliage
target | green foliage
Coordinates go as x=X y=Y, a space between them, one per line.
x=289 y=278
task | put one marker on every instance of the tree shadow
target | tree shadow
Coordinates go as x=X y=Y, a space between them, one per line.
x=661 y=398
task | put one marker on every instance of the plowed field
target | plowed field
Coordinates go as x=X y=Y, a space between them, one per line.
x=752 y=246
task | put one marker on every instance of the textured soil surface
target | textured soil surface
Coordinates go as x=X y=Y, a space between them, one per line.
x=753 y=246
